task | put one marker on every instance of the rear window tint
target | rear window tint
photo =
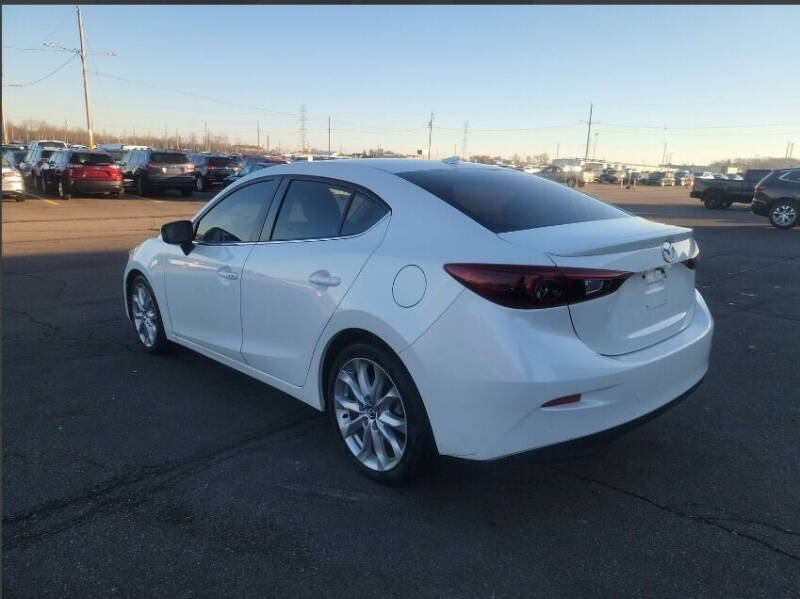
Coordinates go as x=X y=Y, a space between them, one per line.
x=47 y=153
x=220 y=161
x=506 y=200
x=168 y=158
x=87 y=158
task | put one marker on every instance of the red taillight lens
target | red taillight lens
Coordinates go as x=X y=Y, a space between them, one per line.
x=74 y=170
x=528 y=287
x=560 y=401
x=760 y=188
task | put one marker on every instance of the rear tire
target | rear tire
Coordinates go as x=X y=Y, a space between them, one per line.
x=783 y=214
x=726 y=204
x=63 y=193
x=712 y=200
x=141 y=188
x=374 y=429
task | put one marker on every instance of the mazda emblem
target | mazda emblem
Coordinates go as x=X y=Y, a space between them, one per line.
x=668 y=251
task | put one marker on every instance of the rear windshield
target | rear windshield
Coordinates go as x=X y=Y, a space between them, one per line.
x=221 y=161
x=168 y=158
x=46 y=153
x=6 y=162
x=87 y=158
x=507 y=200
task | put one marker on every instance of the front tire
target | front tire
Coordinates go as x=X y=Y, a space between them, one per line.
x=783 y=214
x=378 y=414
x=712 y=200
x=146 y=316
x=572 y=182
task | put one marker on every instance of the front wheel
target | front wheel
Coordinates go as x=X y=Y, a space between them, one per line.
x=378 y=413
x=783 y=214
x=712 y=201
x=146 y=316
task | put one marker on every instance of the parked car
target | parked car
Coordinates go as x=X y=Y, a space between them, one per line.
x=75 y=170
x=366 y=318
x=117 y=151
x=661 y=178
x=588 y=176
x=722 y=192
x=149 y=169
x=46 y=143
x=211 y=170
x=13 y=185
x=682 y=178
x=31 y=167
x=245 y=160
x=562 y=175
x=250 y=167
x=777 y=196
x=611 y=175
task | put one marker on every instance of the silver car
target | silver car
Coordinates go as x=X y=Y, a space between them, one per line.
x=12 y=182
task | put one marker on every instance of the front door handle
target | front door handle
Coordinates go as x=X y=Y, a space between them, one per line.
x=226 y=274
x=323 y=277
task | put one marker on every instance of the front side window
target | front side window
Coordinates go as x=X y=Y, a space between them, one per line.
x=239 y=216
x=311 y=210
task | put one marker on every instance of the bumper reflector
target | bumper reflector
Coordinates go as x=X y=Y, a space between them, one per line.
x=560 y=401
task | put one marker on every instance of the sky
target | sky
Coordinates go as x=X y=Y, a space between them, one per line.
x=710 y=82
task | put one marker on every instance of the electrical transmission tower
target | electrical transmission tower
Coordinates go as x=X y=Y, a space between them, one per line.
x=464 y=141
x=303 y=121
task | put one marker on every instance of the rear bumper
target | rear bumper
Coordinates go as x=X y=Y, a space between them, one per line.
x=759 y=207
x=86 y=186
x=171 y=182
x=13 y=188
x=483 y=384
x=695 y=194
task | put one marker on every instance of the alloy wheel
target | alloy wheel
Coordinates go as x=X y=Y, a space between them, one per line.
x=784 y=215
x=371 y=414
x=144 y=314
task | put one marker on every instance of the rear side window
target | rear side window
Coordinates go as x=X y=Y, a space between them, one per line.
x=362 y=215
x=168 y=158
x=793 y=176
x=311 y=210
x=507 y=200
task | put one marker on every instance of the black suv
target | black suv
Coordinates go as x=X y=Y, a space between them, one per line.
x=777 y=196
x=148 y=170
x=31 y=167
x=212 y=169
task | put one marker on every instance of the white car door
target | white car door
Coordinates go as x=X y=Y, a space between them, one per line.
x=323 y=234
x=203 y=288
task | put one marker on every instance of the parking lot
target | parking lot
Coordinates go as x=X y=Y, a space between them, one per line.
x=127 y=474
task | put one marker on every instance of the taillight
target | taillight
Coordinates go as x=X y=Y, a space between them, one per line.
x=528 y=287
x=760 y=188
x=9 y=174
x=210 y=167
x=153 y=168
x=74 y=170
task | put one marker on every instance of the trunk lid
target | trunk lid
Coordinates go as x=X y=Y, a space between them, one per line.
x=654 y=303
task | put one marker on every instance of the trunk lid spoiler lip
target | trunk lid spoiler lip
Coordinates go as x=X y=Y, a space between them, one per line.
x=556 y=241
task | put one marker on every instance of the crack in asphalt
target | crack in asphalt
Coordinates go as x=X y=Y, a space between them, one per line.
x=708 y=520
x=733 y=275
x=129 y=489
x=34 y=320
x=31 y=275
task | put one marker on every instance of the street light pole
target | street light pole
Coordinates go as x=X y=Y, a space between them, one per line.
x=85 y=79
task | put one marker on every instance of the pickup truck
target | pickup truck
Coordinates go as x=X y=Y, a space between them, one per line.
x=721 y=193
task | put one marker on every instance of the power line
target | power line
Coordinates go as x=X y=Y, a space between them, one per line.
x=42 y=78
x=666 y=127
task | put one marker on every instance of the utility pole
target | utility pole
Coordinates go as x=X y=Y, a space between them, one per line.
x=267 y=144
x=594 y=150
x=205 y=125
x=588 y=134
x=786 y=154
x=258 y=134
x=329 y=136
x=177 y=139
x=430 y=135
x=664 y=154
x=66 y=132
x=303 y=120
x=464 y=141
x=558 y=147
x=85 y=78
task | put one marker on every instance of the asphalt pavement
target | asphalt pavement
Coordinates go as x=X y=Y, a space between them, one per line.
x=131 y=475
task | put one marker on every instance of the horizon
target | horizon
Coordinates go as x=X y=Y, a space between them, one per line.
x=379 y=71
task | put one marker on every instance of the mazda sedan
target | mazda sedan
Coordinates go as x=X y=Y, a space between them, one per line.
x=427 y=306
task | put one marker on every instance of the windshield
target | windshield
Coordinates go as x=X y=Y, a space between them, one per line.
x=221 y=161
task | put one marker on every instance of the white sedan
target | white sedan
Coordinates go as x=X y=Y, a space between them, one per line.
x=448 y=307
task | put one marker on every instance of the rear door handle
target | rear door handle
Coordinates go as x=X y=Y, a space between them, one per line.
x=226 y=274
x=323 y=277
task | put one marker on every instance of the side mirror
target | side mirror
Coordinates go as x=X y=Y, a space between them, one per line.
x=179 y=232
